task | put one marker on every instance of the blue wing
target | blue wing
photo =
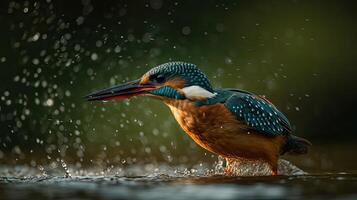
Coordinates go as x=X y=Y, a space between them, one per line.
x=257 y=113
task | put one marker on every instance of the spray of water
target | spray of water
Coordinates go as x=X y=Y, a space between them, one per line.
x=244 y=167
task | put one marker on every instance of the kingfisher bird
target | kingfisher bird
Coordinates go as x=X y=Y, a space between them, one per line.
x=232 y=123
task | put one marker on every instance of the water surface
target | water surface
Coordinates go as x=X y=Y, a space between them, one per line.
x=166 y=182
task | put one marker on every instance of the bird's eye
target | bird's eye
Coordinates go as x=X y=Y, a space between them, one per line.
x=160 y=78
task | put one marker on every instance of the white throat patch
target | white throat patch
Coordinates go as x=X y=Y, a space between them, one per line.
x=196 y=92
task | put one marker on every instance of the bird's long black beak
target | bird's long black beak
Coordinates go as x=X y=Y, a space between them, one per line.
x=127 y=90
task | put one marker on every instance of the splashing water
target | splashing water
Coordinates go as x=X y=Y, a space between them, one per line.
x=66 y=170
x=161 y=181
x=245 y=167
x=239 y=168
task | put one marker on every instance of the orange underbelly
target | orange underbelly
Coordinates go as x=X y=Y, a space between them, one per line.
x=214 y=128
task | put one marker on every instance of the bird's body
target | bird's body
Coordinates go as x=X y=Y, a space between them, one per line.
x=215 y=128
x=232 y=123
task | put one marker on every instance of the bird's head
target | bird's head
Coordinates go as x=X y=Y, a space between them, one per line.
x=173 y=80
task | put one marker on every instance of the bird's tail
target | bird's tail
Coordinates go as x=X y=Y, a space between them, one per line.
x=295 y=145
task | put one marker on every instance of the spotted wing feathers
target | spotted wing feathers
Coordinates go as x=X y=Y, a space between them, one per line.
x=258 y=113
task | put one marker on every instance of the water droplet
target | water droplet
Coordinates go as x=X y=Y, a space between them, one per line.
x=94 y=56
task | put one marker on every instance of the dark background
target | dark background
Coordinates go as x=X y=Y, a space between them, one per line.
x=300 y=54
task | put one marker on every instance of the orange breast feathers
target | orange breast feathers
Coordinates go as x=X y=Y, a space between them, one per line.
x=204 y=124
x=214 y=128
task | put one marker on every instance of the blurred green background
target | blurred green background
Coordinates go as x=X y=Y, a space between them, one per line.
x=300 y=54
